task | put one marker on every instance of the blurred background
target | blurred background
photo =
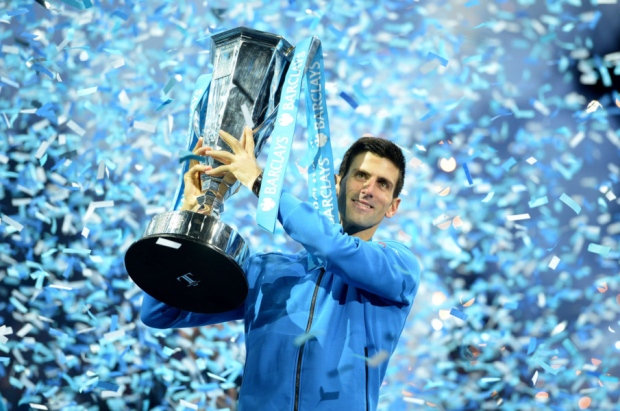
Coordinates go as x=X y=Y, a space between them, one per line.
x=507 y=111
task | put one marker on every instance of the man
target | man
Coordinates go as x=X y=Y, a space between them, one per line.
x=317 y=338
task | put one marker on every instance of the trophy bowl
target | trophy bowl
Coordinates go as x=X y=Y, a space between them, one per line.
x=193 y=262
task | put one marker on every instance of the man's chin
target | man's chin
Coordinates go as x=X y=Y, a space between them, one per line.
x=355 y=226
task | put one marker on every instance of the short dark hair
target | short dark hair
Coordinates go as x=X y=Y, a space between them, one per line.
x=379 y=147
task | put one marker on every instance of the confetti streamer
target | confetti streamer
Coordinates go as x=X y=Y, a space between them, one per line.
x=188 y=405
x=301 y=339
x=76 y=128
x=518 y=217
x=598 y=249
x=509 y=164
x=378 y=358
x=139 y=125
x=8 y=220
x=554 y=262
x=466 y=169
x=571 y=203
x=547 y=368
x=86 y=91
x=593 y=106
x=531 y=348
x=349 y=100
x=4 y=331
x=538 y=202
x=458 y=314
x=511 y=305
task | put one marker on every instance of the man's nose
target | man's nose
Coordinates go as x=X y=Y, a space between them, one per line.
x=368 y=188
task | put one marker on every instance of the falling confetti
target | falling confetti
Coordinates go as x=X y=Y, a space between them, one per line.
x=94 y=113
x=593 y=106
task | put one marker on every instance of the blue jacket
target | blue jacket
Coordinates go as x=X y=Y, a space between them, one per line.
x=350 y=308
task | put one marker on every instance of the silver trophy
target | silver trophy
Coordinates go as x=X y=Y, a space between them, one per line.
x=192 y=260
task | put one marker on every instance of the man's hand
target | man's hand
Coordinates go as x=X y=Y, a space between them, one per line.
x=241 y=163
x=192 y=179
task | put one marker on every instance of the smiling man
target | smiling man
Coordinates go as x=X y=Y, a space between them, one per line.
x=370 y=179
x=318 y=337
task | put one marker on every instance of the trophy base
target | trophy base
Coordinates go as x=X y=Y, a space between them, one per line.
x=186 y=260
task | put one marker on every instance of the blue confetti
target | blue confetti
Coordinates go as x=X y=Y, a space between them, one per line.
x=433 y=56
x=428 y=115
x=531 y=348
x=16 y=12
x=508 y=164
x=512 y=95
x=599 y=249
x=458 y=314
x=538 y=202
x=511 y=305
x=348 y=99
x=108 y=386
x=571 y=203
x=467 y=174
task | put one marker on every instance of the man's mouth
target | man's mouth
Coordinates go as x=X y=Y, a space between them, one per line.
x=362 y=204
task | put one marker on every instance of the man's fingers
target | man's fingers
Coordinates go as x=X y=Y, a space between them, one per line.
x=197 y=168
x=190 y=175
x=195 y=150
x=198 y=145
x=231 y=141
x=219 y=155
x=248 y=136
x=202 y=150
x=242 y=140
x=218 y=171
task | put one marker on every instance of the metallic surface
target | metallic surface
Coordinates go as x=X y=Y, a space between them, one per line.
x=201 y=228
x=190 y=261
x=248 y=70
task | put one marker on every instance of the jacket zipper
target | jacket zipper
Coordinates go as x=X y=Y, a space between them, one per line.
x=366 y=370
x=301 y=349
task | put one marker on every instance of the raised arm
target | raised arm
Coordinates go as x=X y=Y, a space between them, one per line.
x=386 y=269
x=156 y=314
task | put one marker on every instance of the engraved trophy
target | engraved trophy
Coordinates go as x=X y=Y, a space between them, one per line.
x=192 y=260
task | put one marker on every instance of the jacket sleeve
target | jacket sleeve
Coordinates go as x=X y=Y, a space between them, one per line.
x=386 y=269
x=156 y=314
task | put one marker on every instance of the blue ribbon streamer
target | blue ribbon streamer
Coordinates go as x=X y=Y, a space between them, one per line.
x=201 y=89
x=321 y=184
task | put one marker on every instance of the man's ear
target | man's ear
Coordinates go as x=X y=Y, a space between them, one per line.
x=337 y=178
x=393 y=208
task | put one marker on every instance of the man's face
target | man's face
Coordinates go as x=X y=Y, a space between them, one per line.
x=365 y=194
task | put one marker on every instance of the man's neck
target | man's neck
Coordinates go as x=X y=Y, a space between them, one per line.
x=365 y=235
